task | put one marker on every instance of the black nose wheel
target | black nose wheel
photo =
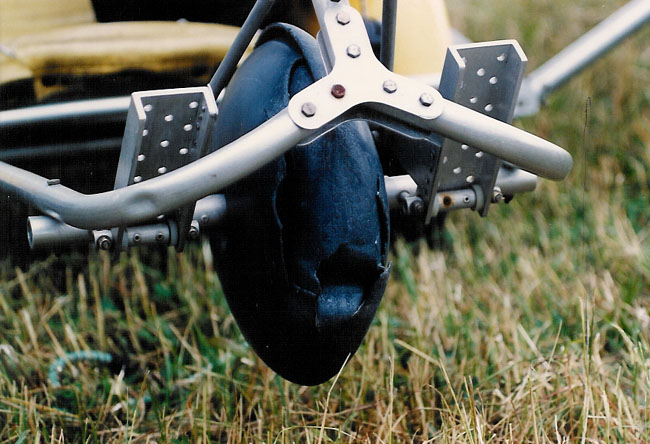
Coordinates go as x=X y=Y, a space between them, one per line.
x=304 y=267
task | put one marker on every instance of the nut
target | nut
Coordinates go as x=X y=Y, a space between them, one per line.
x=354 y=51
x=390 y=86
x=308 y=109
x=343 y=18
x=426 y=99
x=497 y=195
x=104 y=243
x=193 y=234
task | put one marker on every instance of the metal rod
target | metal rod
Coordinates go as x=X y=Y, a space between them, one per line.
x=504 y=141
x=388 y=32
x=65 y=149
x=43 y=232
x=146 y=200
x=581 y=53
x=111 y=109
x=510 y=180
x=514 y=181
x=244 y=37
x=592 y=44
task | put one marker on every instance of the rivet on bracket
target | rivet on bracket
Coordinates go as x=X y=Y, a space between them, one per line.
x=338 y=91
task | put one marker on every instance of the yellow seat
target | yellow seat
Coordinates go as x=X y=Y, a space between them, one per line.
x=422 y=37
x=51 y=39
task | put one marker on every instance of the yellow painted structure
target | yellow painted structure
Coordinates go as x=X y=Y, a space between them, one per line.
x=423 y=33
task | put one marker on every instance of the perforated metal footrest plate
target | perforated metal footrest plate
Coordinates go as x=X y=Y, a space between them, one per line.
x=165 y=130
x=485 y=77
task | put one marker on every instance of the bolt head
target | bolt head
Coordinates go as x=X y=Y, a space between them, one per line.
x=426 y=99
x=343 y=18
x=193 y=234
x=497 y=195
x=104 y=243
x=354 y=51
x=417 y=207
x=390 y=86
x=308 y=109
x=338 y=91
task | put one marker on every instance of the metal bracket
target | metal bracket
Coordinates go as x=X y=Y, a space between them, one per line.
x=484 y=77
x=165 y=130
x=356 y=76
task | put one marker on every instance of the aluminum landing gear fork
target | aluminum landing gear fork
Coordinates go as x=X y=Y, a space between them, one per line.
x=357 y=87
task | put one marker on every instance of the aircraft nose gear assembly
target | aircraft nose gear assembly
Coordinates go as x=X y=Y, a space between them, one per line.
x=300 y=227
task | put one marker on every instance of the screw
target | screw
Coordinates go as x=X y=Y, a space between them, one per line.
x=338 y=91
x=193 y=233
x=136 y=238
x=204 y=219
x=104 y=243
x=354 y=51
x=417 y=207
x=308 y=109
x=160 y=237
x=390 y=86
x=426 y=99
x=343 y=18
x=497 y=195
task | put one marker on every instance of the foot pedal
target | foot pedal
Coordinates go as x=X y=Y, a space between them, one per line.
x=165 y=130
x=485 y=77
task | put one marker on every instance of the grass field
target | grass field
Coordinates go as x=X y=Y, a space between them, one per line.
x=533 y=325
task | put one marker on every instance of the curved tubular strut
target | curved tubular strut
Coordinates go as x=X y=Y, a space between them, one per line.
x=146 y=200
x=525 y=150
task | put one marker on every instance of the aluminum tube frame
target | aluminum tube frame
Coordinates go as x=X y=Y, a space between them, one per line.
x=525 y=150
x=100 y=110
x=388 y=33
x=34 y=152
x=536 y=86
x=581 y=53
x=510 y=181
x=45 y=232
x=244 y=37
x=145 y=201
